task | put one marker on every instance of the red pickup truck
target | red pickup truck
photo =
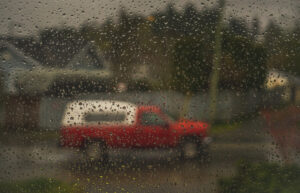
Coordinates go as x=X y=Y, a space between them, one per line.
x=95 y=126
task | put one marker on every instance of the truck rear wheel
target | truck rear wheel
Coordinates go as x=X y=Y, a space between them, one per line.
x=96 y=152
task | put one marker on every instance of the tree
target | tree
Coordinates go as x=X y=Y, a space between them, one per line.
x=192 y=65
x=294 y=50
x=243 y=63
x=124 y=44
x=283 y=48
x=255 y=28
x=59 y=45
x=238 y=27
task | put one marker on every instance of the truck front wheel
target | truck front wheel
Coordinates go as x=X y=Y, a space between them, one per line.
x=192 y=148
x=189 y=149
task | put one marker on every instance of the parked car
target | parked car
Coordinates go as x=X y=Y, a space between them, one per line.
x=95 y=126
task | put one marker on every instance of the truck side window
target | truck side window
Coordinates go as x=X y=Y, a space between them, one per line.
x=151 y=119
x=108 y=117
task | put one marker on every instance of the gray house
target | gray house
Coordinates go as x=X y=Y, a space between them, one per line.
x=13 y=63
x=18 y=107
x=25 y=82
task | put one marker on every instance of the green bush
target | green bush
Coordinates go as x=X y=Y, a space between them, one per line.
x=40 y=185
x=262 y=178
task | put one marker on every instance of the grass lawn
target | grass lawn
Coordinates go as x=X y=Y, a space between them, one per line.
x=221 y=128
x=39 y=185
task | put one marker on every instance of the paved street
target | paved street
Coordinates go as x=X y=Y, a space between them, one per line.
x=136 y=171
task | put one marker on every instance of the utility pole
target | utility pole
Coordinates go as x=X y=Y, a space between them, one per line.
x=214 y=76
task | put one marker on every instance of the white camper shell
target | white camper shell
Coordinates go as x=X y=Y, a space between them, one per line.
x=99 y=112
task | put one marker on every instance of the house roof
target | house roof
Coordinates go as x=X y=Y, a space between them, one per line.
x=25 y=75
x=25 y=62
x=89 y=57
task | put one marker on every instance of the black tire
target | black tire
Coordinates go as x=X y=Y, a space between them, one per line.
x=193 y=149
x=189 y=148
x=96 y=151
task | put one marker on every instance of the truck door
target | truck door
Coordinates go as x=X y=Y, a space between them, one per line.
x=107 y=126
x=152 y=130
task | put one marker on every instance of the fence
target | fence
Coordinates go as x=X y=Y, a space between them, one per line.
x=230 y=105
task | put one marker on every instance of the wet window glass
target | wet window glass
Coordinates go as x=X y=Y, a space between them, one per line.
x=150 y=96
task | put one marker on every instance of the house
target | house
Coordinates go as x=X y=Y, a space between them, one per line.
x=13 y=62
x=25 y=82
x=18 y=107
x=284 y=85
x=89 y=71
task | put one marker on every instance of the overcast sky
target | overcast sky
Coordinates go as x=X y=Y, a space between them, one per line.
x=33 y=15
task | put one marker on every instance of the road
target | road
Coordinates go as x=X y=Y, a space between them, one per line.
x=136 y=171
